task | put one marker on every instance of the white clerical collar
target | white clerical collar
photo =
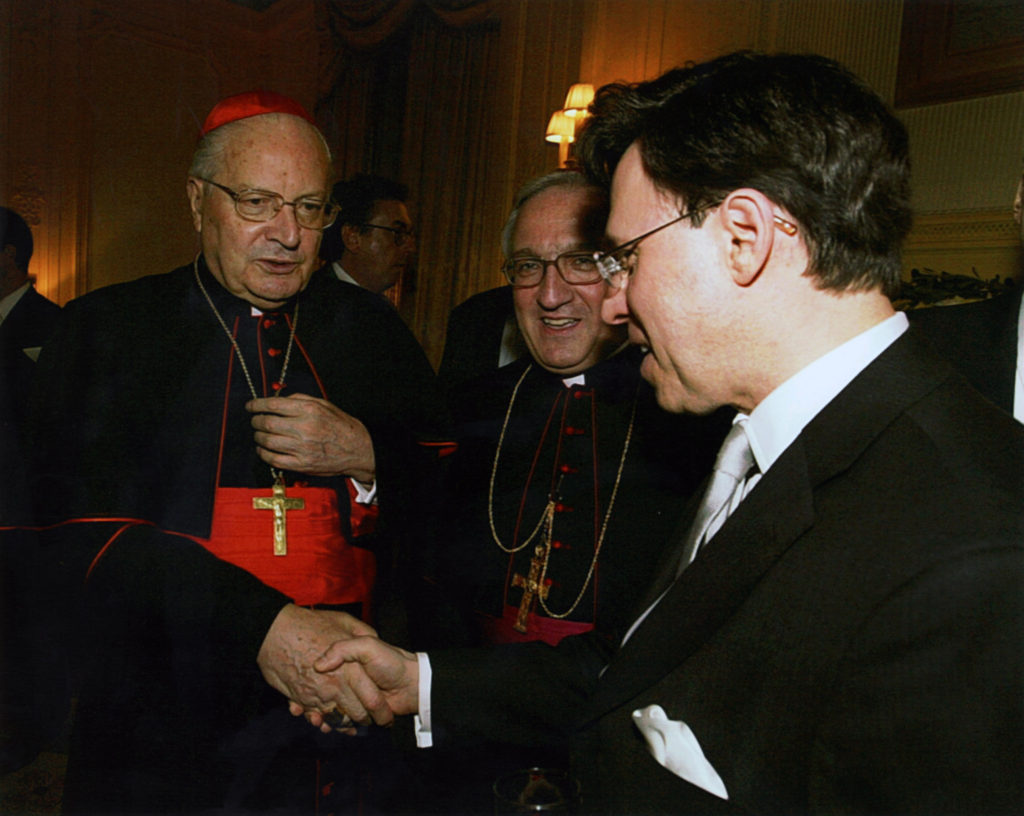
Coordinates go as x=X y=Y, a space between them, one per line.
x=1018 y=391
x=581 y=378
x=783 y=414
x=8 y=302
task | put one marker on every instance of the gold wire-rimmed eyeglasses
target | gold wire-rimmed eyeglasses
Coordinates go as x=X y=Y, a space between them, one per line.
x=311 y=212
x=619 y=263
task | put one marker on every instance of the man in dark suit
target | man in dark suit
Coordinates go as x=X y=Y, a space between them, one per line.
x=983 y=340
x=371 y=245
x=844 y=634
x=31 y=710
x=482 y=336
x=26 y=319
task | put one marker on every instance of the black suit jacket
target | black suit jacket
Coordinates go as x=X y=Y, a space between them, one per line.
x=850 y=640
x=472 y=343
x=980 y=339
x=29 y=325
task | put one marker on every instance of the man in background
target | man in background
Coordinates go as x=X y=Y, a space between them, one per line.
x=482 y=335
x=26 y=319
x=985 y=340
x=371 y=244
x=33 y=699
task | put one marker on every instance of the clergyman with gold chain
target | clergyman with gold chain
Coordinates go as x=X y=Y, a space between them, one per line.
x=568 y=478
x=238 y=407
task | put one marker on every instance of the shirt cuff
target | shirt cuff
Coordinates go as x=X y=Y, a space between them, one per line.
x=364 y=496
x=422 y=721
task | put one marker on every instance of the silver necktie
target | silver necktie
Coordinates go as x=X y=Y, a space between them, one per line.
x=732 y=467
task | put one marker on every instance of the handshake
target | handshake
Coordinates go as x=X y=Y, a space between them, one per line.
x=325 y=662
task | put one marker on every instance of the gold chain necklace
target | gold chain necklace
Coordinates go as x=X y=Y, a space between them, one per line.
x=546 y=522
x=238 y=351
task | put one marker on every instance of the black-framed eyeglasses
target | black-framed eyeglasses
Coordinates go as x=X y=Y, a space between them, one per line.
x=311 y=212
x=402 y=234
x=619 y=263
x=575 y=268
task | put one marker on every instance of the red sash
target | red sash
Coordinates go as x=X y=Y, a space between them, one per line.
x=320 y=566
x=538 y=627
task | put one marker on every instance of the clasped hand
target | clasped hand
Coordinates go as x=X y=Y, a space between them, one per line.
x=326 y=661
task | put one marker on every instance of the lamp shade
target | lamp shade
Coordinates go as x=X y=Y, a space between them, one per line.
x=579 y=97
x=561 y=128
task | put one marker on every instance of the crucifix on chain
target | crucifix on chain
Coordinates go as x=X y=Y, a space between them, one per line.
x=532 y=586
x=280 y=504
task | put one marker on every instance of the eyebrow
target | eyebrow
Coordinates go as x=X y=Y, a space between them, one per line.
x=579 y=246
x=610 y=240
x=248 y=188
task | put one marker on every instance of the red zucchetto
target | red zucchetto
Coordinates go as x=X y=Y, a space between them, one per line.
x=252 y=103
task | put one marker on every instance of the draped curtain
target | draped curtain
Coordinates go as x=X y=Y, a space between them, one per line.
x=408 y=93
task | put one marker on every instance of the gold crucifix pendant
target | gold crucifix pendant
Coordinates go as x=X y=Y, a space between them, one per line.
x=531 y=585
x=280 y=504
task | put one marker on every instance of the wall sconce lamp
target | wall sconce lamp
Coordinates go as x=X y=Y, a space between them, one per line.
x=564 y=123
x=578 y=99
x=562 y=130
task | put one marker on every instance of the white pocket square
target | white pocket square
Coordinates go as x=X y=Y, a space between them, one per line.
x=674 y=746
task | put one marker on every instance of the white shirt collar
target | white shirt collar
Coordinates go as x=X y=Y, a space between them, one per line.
x=10 y=301
x=783 y=414
x=1018 y=391
x=342 y=275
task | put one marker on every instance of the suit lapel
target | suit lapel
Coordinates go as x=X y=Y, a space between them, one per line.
x=1005 y=356
x=771 y=518
x=19 y=325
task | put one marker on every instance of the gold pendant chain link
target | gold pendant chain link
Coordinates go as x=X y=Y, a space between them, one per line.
x=546 y=522
x=238 y=351
x=548 y=510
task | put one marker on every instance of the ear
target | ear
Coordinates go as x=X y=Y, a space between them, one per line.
x=746 y=217
x=194 y=191
x=351 y=237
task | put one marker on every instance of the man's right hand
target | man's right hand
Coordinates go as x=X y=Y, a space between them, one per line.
x=381 y=680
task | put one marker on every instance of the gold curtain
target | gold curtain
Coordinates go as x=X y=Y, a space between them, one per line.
x=452 y=115
x=407 y=93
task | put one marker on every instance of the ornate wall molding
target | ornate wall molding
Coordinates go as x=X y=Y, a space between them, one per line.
x=979 y=243
x=986 y=229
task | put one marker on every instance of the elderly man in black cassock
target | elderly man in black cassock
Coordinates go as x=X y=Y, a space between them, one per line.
x=568 y=477
x=216 y=444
